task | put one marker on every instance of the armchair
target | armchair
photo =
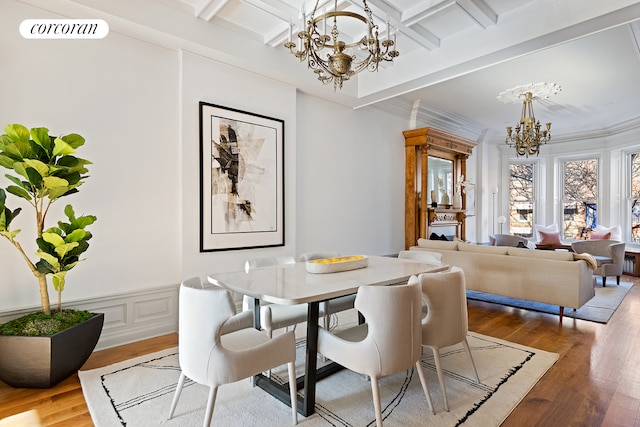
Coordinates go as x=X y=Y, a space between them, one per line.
x=446 y=322
x=210 y=357
x=389 y=341
x=609 y=254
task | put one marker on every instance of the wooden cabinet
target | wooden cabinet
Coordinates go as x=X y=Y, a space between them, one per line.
x=420 y=217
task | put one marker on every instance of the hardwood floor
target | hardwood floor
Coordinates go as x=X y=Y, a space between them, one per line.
x=596 y=381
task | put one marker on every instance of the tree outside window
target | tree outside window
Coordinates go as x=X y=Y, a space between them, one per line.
x=521 y=198
x=580 y=197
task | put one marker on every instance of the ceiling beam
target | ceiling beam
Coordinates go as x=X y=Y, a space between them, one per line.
x=383 y=11
x=479 y=11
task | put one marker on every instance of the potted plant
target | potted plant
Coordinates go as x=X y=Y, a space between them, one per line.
x=41 y=349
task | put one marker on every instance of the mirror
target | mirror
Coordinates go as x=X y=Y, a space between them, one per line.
x=440 y=180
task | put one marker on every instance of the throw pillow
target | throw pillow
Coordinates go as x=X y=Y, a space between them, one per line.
x=595 y=235
x=549 y=238
x=616 y=231
x=546 y=228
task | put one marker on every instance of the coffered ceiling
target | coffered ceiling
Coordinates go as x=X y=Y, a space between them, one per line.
x=456 y=56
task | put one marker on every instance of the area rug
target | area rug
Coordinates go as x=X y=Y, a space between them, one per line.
x=599 y=309
x=138 y=392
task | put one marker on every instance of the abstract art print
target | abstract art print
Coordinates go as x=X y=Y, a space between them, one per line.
x=241 y=179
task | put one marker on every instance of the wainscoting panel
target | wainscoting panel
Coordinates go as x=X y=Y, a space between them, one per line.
x=128 y=317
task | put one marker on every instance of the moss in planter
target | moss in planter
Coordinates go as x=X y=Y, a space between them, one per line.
x=40 y=325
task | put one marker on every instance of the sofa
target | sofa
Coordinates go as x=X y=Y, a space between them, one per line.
x=564 y=279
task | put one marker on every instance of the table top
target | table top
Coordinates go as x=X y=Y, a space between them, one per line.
x=292 y=284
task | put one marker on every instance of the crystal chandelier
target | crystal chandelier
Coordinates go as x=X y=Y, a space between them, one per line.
x=528 y=135
x=329 y=56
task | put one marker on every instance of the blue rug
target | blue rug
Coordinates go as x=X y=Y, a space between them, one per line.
x=599 y=309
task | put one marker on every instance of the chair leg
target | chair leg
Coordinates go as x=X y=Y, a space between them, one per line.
x=176 y=395
x=604 y=281
x=423 y=381
x=375 y=391
x=473 y=365
x=213 y=391
x=293 y=391
x=436 y=358
x=618 y=280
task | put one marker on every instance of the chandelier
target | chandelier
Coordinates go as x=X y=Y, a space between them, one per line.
x=329 y=55
x=528 y=135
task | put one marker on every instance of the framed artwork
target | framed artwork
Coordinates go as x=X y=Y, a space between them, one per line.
x=241 y=179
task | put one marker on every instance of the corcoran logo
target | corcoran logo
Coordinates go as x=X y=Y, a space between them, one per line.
x=64 y=29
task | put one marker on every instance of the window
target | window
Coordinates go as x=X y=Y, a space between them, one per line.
x=635 y=197
x=580 y=197
x=521 y=198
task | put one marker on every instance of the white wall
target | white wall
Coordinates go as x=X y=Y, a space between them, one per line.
x=121 y=95
x=135 y=99
x=350 y=179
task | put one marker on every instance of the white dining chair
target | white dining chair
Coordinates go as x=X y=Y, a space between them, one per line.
x=275 y=316
x=446 y=322
x=212 y=358
x=387 y=343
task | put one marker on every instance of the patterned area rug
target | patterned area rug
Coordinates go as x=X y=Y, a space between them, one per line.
x=138 y=392
x=599 y=309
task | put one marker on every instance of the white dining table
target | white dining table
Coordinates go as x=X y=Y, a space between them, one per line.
x=292 y=284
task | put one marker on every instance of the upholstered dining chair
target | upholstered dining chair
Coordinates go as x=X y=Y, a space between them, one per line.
x=275 y=316
x=387 y=343
x=210 y=357
x=422 y=256
x=446 y=322
x=609 y=255
x=337 y=304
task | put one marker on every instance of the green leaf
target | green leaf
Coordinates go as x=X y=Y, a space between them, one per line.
x=50 y=259
x=34 y=177
x=62 y=250
x=9 y=234
x=19 y=191
x=62 y=148
x=6 y=161
x=53 y=238
x=58 y=280
x=41 y=137
x=77 y=235
x=74 y=140
x=41 y=167
x=17 y=132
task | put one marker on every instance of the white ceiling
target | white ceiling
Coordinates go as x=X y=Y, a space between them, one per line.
x=456 y=56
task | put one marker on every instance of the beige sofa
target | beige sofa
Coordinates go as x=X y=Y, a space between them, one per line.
x=559 y=278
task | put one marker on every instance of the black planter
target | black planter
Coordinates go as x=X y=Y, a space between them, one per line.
x=42 y=362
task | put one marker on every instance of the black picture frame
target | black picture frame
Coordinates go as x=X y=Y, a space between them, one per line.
x=241 y=179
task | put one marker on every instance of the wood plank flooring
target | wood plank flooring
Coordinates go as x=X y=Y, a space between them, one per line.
x=596 y=381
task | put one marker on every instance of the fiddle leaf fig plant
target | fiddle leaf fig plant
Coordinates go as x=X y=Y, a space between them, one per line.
x=45 y=169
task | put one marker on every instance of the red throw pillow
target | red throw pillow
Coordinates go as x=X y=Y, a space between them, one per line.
x=600 y=236
x=549 y=238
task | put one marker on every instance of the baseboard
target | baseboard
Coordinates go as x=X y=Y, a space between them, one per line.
x=128 y=317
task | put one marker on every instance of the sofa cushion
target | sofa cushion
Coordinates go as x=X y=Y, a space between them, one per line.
x=554 y=255
x=494 y=250
x=595 y=235
x=438 y=244
x=546 y=228
x=549 y=238
x=616 y=231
